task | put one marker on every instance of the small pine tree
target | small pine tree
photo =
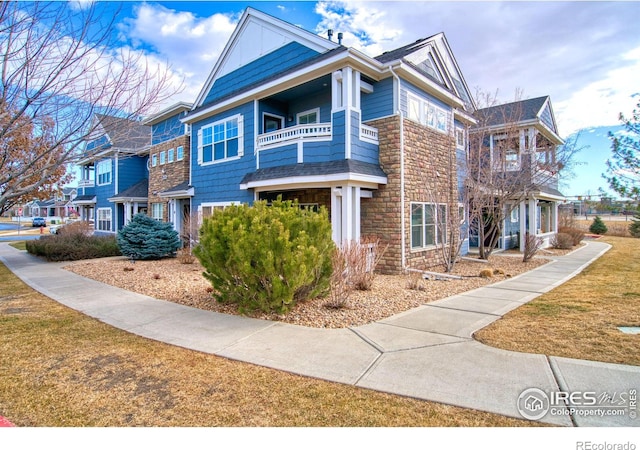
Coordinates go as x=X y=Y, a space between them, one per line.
x=634 y=227
x=598 y=226
x=147 y=238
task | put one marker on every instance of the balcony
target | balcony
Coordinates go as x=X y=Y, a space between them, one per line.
x=309 y=133
x=86 y=183
x=284 y=136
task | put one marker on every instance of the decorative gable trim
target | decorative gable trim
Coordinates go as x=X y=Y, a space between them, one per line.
x=251 y=21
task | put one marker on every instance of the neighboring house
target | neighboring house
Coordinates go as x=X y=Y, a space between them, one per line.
x=519 y=141
x=59 y=206
x=170 y=191
x=374 y=140
x=114 y=182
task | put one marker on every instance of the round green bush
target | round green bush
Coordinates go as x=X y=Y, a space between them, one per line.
x=147 y=238
x=598 y=226
x=266 y=257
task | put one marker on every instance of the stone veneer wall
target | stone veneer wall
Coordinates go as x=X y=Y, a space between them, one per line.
x=430 y=177
x=174 y=173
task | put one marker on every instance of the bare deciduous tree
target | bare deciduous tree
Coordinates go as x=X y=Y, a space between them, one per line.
x=59 y=68
x=508 y=161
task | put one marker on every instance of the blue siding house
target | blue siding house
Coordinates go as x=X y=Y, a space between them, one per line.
x=114 y=182
x=519 y=141
x=375 y=140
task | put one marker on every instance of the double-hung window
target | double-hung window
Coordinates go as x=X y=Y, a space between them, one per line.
x=428 y=224
x=104 y=172
x=157 y=211
x=220 y=140
x=179 y=153
x=170 y=155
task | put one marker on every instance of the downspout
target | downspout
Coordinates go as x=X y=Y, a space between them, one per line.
x=403 y=238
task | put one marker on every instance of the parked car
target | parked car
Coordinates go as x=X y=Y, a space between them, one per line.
x=39 y=222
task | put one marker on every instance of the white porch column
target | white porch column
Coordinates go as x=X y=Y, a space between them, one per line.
x=554 y=217
x=533 y=216
x=522 y=212
x=347 y=213
x=336 y=215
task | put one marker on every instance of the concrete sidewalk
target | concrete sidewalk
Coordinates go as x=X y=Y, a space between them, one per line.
x=426 y=353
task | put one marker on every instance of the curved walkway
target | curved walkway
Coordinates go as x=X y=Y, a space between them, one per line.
x=427 y=352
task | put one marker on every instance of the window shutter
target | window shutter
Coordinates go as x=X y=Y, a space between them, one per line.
x=241 y=136
x=200 y=146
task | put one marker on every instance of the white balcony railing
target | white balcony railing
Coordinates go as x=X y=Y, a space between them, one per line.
x=368 y=133
x=86 y=183
x=287 y=135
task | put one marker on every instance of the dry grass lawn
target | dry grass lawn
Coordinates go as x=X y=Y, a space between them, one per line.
x=580 y=318
x=61 y=368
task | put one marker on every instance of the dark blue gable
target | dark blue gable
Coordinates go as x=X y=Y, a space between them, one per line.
x=259 y=70
x=167 y=129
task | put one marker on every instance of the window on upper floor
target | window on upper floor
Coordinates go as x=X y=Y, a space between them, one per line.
x=170 y=155
x=271 y=122
x=179 y=153
x=506 y=152
x=103 y=171
x=154 y=160
x=460 y=138
x=220 y=141
x=163 y=157
x=428 y=225
x=307 y=117
x=426 y=113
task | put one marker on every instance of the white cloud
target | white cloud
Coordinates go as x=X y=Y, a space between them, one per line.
x=583 y=54
x=190 y=43
x=601 y=101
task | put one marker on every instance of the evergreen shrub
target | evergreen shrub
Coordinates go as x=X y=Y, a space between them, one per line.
x=147 y=238
x=598 y=226
x=265 y=257
x=634 y=227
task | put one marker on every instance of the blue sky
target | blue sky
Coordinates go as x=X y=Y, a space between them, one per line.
x=585 y=55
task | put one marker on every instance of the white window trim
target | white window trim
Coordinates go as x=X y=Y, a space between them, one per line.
x=282 y=120
x=437 y=244
x=163 y=158
x=459 y=132
x=98 y=220
x=102 y=163
x=306 y=113
x=240 y=119
x=153 y=211
x=171 y=155
x=154 y=160
x=180 y=154
x=429 y=110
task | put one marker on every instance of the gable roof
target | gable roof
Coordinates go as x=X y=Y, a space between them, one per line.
x=256 y=35
x=124 y=133
x=533 y=111
x=433 y=58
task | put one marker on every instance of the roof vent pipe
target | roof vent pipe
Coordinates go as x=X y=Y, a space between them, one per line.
x=339 y=38
x=330 y=34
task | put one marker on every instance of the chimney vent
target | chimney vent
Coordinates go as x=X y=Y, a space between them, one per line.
x=340 y=38
x=330 y=34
